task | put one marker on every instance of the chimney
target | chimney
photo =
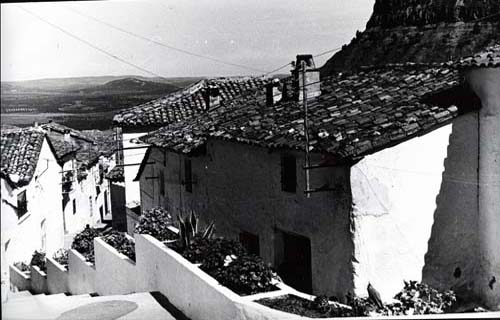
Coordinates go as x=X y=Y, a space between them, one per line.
x=67 y=135
x=211 y=95
x=273 y=92
x=312 y=80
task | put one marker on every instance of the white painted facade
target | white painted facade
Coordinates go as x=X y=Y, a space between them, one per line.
x=41 y=228
x=130 y=156
x=394 y=198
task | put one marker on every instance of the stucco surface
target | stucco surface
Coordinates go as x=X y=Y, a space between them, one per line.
x=81 y=277
x=486 y=83
x=132 y=192
x=115 y=273
x=38 y=280
x=57 y=277
x=394 y=197
x=239 y=187
x=450 y=259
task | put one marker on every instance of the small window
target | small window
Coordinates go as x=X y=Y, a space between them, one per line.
x=288 y=173
x=250 y=242
x=162 y=183
x=22 y=204
x=106 y=208
x=188 y=175
x=74 y=206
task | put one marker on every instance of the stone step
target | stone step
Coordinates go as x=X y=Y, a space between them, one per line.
x=19 y=294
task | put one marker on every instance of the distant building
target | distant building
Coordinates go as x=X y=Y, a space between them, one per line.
x=403 y=166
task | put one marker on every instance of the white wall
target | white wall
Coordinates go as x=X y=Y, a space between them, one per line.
x=24 y=235
x=132 y=191
x=394 y=198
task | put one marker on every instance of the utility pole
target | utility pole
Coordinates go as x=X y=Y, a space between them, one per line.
x=306 y=125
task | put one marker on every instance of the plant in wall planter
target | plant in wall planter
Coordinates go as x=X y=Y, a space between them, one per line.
x=84 y=243
x=38 y=259
x=156 y=222
x=23 y=267
x=121 y=243
x=61 y=256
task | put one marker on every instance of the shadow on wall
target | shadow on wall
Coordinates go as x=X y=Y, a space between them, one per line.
x=450 y=261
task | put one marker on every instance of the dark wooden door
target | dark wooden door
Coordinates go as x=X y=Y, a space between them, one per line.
x=296 y=267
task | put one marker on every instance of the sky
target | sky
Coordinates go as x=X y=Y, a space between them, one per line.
x=260 y=35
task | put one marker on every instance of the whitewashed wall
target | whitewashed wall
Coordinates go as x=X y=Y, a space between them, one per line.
x=132 y=190
x=394 y=198
x=24 y=235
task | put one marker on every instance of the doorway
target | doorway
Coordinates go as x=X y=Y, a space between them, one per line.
x=293 y=259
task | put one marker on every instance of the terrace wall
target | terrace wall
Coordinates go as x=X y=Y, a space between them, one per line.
x=81 y=275
x=57 y=277
x=38 y=280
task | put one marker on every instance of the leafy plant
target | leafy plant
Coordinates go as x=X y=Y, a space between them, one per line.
x=38 y=259
x=188 y=230
x=419 y=298
x=155 y=222
x=23 y=267
x=61 y=256
x=121 y=243
x=321 y=307
x=84 y=243
x=247 y=274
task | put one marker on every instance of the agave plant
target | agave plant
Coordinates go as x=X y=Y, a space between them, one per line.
x=188 y=230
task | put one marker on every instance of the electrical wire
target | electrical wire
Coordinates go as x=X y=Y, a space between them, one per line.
x=162 y=44
x=98 y=48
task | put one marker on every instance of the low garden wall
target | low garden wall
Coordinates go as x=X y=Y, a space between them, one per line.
x=115 y=272
x=38 y=280
x=19 y=280
x=81 y=274
x=57 y=277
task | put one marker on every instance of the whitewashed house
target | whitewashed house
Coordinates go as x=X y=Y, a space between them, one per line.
x=31 y=196
x=404 y=178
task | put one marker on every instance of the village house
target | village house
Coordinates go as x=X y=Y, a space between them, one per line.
x=31 y=196
x=397 y=152
x=134 y=122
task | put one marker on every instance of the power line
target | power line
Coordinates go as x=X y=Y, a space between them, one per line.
x=96 y=47
x=162 y=44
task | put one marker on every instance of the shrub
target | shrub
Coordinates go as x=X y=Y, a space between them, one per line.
x=23 y=267
x=61 y=256
x=155 y=222
x=121 y=243
x=211 y=253
x=84 y=243
x=247 y=274
x=38 y=259
x=419 y=298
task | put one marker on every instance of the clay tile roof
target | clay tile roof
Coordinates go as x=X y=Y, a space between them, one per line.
x=355 y=115
x=116 y=174
x=487 y=58
x=183 y=104
x=20 y=149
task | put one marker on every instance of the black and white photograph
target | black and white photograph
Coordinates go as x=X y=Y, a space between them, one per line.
x=240 y=160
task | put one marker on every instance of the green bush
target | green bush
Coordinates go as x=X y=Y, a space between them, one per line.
x=247 y=274
x=38 y=259
x=61 y=256
x=84 y=243
x=121 y=243
x=155 y=222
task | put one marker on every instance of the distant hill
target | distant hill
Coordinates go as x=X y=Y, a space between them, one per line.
x=53 y=85
x=130 y=85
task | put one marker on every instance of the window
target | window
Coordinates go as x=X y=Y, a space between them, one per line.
x=288 y=173
x=91 y=206
x=162 y=183
x=188 y=179
x=106 y=208
x=250 y=242
x=43 y=231
x=74 y=206
x=22 y=204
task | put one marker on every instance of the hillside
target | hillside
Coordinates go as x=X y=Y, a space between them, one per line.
x=129 y=85
x=420 y=31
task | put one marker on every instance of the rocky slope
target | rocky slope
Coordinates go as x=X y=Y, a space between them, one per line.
x=420 y=31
